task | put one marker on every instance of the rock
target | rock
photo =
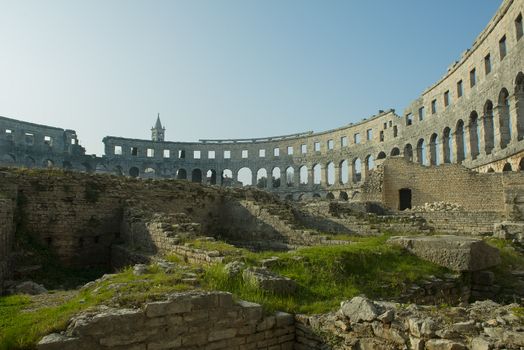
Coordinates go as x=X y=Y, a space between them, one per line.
x=479 y=343
x=234 y=268
x=29 y=287
x=360 y=309
x=269 y=262
x=139 y=269
x=387 y=316
x=269 y=281
x=457 y=253
x=444 y=344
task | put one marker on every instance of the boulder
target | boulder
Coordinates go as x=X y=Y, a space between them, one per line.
x=29 y=287
x=269 y=281
x=457 y=253
x=360 y=309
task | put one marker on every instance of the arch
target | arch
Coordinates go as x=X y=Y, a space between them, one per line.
x=507 y=167
x=316 y=195
x=521 y=164
x=262 y=178
x=149 y=172
x=381 y=155
x=317 y=169
x=357 y=170
x=395 y=152
x=134 y=172
x=344 y=172
x=408 y=152
x=330 y=173
x=491 y=170
x=330 y=196
x=434 y=153
x=117 y=170
x=519 y=99
x=343 y=196
x=303 y=175
x=447 y=145
x=245 y=175
x=504 y=118
x=489 y=127
x=369 y=165
x=460 y=150
x=275 y=177
x=181 y=174
x=196 y=175
x=100 y=168
x=421 y=152
x=8 y=159
x=290 y=176
x=211 y=177
x=300 y=197
x=474 y=135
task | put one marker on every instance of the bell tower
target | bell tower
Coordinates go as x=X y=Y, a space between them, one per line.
x=158 y=132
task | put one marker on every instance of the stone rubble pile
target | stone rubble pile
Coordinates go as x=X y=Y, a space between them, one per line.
x=438 y=206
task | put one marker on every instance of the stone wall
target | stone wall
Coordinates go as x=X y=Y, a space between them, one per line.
x=462 y=223
x=187 y=321
x=6 y=239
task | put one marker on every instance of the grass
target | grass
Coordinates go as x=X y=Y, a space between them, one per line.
x=511 y=260
x=328 y=275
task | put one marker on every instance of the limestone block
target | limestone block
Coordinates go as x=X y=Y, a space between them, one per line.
x=444 y=344
x=457 y=253
x=268 y=281
x=360 y=309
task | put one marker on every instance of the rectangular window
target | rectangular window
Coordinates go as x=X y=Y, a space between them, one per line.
x=385 y=126
x=166 y=153
x=356 y=138
x=196 y=154
x=330 y=144
x=150 y=152
x=48 y=140
x=317 y=146
x=433 y=106
x=395 y=131
x=473 y=77
x=421 y=113
x=118 y=150
x=29 y=138
x=409 y=119
x=518 y=27
x=343 y=141
x=487 y=64
x=276 y=152
x=245 y=153
x=182 y=154
x=460 y=89
x=369 y=134
x=210 y=154
x=227 y=154
x=303 y=149
x=390 y=123
x=74 y=141
x=9 y=134
x=446 y=99
x=8 y=131
x=262 y=153
x=502 y=47
x=382 y=136
x=134 y=151
x=290 y=150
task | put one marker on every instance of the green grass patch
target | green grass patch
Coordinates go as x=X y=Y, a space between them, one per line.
x=327 y=275
x=511 y=260
x=220 y=246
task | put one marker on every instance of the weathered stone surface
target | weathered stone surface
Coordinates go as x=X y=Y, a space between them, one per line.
x=269 y=281
x=29 y=287
x=457 y=253
x=360 y=309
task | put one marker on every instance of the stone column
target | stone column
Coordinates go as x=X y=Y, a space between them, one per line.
x=296 y=176
x=467 y=142
x=337 y=174
x=310 y=176
x=482 y=120
x=517 y=116
x=253 y=178
x=323 y=175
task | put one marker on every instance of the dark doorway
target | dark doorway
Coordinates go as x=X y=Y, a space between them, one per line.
x=404 y=195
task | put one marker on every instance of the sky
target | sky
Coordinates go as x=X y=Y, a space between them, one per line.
x=223 y=68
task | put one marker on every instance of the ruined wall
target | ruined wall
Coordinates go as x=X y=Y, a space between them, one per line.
x=6 y=239
x=194 y=320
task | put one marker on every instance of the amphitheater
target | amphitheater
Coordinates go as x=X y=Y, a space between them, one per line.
x=158 y=244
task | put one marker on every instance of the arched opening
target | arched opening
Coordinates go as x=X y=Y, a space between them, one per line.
x=521 y=164
x=303 y=175
x=434 y=154
x=181 y=174
x=408 y=152
x=474 y=135
x=316 y=174
x=118 y=171
x=196 y=175
x=404 y=199
x=491 y=170
x=8 y=159
x=459 y=142
x=226 y=177
x=395 y=152
x=447 y=145
x=421 y=152
x=489 y=127
x=507 y=167
x=67 y=165
x=149 y=173
x=330 y=173
x=211 y=177
x=381 y=155
x=330 y=196
x=504 y=118
x=343 y=196
x=134 y=172
x=316 y=195
x=344 y=172
x=290 y=176
x=262 y=178
x=370 y=164
x=519 y=97
x=357 y=170
x=245 y=176
x=275 y=176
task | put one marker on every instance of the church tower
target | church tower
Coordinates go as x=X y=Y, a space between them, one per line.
x=158 y=132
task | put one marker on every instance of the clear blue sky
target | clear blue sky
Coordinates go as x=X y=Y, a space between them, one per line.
x=223 y=68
